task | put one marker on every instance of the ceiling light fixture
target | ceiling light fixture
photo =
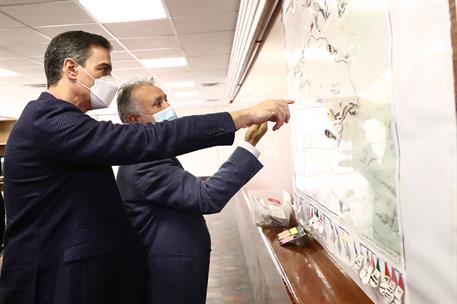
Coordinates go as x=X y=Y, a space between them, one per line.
x=108 y=11
x=164 y=62
x=188 y=103
x=211 y=84
x=186 y=94
x=6 y=73
x=180 y=84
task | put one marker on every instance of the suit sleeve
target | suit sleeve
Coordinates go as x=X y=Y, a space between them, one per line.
x=74 y=138
x=170 y=186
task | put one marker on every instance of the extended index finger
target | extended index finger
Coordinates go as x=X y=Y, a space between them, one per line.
x=287 y=118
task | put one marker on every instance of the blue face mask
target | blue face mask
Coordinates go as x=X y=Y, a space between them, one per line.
x=166 y=114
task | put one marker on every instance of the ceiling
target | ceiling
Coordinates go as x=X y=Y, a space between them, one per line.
x=200 y=30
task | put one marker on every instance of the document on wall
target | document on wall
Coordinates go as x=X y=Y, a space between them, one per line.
x=344 y=138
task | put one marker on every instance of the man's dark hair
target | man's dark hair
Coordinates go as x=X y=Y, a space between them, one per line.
x=73 y=44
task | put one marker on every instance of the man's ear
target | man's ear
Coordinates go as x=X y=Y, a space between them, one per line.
x=131 y=118
x=69 y=68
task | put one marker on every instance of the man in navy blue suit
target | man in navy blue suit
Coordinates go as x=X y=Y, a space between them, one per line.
x=166 y=203
x=68 y=238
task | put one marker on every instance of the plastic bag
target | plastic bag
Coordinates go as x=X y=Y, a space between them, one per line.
x=271 y=208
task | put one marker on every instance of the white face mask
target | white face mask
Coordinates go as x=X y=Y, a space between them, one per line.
x=102 y=91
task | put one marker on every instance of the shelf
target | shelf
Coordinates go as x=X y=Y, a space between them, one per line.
x=5 y=128
x=304 y=274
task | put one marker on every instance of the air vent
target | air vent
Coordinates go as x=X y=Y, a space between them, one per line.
x=210 y=84
x=36 y=85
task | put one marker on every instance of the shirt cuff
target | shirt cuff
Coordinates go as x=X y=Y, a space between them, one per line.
x=247 y=146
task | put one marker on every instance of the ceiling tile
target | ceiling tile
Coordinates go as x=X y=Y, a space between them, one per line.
x=177 y=101
x=39 y=59
x=126 y=65
x=6 y=53
x=49 y=13
x=198 y=63
x=167 y=76
x=31 y=71
x=29 y=50
x=15 y=2
x=213 y=92
x=6 y=22
x=116 y=46
x=186 y=8
x=121 y=55
x=37 y=78
x=16 y=80
x=212 y=89
x=217 y=75
x=205 y=23
x=207 y=43
x=205 y=28
x=171 y=70
x=13 y=63
x=21 y=35
x=202 y=50
x=158 y=53
x=149 y=28
x=146 y=43
x=52 y=31
x=128 y=75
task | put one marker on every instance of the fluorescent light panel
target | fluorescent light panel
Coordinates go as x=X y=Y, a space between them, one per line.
x=109 y=11
x=164 y=62
x=189 y=103
x=180 y=84
x=6 y=73
x=186 y=94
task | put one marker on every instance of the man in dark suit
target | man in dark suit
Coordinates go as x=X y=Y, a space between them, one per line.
x=68 y=238
x=166 y=203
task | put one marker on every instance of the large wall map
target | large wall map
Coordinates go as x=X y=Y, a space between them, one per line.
x=344 y=139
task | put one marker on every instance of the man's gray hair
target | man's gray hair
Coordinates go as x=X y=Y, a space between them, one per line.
x=125 y=104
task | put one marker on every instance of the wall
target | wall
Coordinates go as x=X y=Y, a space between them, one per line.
x=425 y=118
x=267 y=80
x=426 y=125
x=203 y=162
x=13 y=98
x=425 y=115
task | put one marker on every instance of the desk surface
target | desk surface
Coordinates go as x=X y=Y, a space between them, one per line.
x=310 y=275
